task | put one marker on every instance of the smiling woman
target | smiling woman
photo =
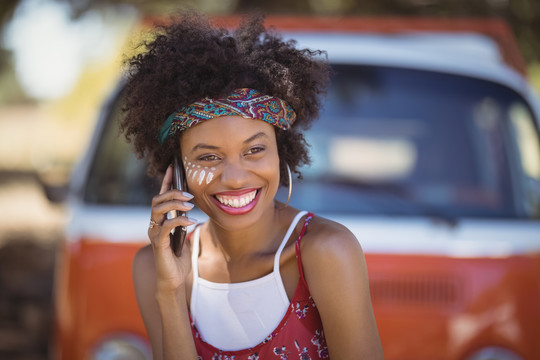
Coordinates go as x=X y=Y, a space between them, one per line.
x=260 y=279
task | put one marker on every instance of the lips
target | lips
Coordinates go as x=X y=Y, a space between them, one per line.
x=237 y=202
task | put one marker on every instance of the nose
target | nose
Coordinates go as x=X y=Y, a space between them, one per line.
x=234 y=174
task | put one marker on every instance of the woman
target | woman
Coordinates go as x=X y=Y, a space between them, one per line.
x=260 y=279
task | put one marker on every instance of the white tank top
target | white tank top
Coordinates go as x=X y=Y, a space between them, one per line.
x=235 y=316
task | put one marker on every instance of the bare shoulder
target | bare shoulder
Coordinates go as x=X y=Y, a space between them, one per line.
x=325 y=239
x=143 y=268
x=144 y=258
x=330 y=253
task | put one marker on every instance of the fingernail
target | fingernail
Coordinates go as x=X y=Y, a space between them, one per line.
x=189 y=205
x=193 y=220
x=188 y=195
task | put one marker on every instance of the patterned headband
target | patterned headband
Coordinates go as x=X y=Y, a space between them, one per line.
x=247 y=103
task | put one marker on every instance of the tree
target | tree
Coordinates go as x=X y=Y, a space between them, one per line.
x=522 y=15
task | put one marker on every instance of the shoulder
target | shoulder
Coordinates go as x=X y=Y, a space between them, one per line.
x=143 y=268
x=143 y=258
x=331 y=254
x=325 y=238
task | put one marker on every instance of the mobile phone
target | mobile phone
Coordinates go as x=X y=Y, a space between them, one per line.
x=178 y=236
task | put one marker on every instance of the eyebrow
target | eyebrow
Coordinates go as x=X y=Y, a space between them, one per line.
x=204 y=146
x=213 y=147
x=255 y=137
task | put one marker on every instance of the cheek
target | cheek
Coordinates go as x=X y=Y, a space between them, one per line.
x=197 y=175
x=272 y=167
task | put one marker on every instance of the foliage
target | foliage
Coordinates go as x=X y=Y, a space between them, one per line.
x=522 y=15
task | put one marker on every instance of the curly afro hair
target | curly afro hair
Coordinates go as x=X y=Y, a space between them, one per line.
x=190 y=59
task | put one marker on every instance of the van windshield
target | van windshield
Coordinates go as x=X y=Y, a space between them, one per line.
x=389 y=141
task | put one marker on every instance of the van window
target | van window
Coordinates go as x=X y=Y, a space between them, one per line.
x=410 y=142
x=117 y=176
x=528 y=145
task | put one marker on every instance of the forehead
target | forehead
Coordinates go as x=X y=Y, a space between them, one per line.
x=226 y=129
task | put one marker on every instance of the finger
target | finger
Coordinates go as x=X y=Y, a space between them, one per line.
x=159 y=212
x=167 y=180
x=154 y=232
x=171 y=195
x=165 y=207
x=153 y=225
x=159 y=236
x=169 y=224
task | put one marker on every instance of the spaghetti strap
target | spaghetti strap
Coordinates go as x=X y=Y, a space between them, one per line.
x=194 y=268
x=290 y=230
x=298 y=255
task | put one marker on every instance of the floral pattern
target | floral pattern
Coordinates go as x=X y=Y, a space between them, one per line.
x=301 y=312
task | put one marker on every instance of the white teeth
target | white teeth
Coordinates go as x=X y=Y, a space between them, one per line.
x=237 y=201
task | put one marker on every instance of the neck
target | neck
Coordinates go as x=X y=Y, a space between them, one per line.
x=261 y=237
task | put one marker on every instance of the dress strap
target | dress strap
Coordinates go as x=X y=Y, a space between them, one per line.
x=195 y=252
x=194 y=268
x=277 y=273
x=298 y=256
x=292 y=226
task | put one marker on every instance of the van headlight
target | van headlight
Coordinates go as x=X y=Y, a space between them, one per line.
x=494 y=353
x=121 y=347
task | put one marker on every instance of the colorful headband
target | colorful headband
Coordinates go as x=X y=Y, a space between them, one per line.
x=248 y=103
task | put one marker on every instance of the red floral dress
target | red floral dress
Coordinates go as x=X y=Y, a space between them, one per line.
x=299 y=335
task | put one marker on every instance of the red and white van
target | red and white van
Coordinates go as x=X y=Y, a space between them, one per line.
x=427 y=149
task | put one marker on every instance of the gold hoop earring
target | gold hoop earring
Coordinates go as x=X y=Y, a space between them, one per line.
x=290 y=184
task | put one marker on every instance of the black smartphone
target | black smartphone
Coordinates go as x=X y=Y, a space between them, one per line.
x=178 y=236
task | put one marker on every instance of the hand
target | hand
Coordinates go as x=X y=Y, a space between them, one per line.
x=171 y=271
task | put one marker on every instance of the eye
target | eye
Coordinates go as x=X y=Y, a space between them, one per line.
x=255 y=149
x=208 y=157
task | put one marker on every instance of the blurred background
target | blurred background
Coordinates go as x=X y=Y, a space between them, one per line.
x=59 y=59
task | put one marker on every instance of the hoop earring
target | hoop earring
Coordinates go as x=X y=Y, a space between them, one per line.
x=290 y=184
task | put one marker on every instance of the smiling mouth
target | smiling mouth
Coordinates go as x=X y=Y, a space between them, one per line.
x=237 y=201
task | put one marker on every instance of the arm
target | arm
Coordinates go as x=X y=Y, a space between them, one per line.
x=336 y=273
x=159 y=278
x=172 y=336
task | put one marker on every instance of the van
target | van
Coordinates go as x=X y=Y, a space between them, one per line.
x=427 y=149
